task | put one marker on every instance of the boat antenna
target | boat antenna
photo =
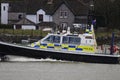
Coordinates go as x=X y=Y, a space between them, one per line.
x=112 y=44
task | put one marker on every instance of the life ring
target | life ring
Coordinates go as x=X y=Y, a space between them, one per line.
x=115 y=48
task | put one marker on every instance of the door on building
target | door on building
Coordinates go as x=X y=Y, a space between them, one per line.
x=64 y=25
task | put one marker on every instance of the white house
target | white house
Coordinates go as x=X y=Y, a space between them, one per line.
x=30 y=20
x=40 y=16
x=25 y=24
x=63 y=13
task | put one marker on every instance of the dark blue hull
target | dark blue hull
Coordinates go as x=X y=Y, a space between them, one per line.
x=7 y=49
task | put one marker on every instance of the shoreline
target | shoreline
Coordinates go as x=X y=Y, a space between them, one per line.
x=18 y=39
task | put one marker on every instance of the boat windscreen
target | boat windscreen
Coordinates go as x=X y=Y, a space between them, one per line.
x=52 y=39
x=71 y=40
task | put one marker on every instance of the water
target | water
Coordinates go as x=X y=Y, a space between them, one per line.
x=21 y=68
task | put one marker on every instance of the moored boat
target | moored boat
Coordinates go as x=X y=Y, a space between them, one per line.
x=63 y=46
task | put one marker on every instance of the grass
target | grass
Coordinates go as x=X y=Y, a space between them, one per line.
x=23 y=32
x=41 y=33
x=107 y=33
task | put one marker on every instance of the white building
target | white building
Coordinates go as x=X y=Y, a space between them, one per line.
x=62 y=13
x=4 y=13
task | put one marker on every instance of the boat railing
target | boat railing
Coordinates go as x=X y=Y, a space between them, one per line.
x=105 y=49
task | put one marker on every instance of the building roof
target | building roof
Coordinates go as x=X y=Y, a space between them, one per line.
x=47 y=24
x=25 y=21
x=78 y=7
x=15 y=5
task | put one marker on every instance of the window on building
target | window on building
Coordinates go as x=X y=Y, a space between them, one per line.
x=41 y=17
x=63 y=14
x=19 y=16
x=18 y=26
x=64 y=25
x=4 y=8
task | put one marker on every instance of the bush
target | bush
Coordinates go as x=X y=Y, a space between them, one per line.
x=3 y=26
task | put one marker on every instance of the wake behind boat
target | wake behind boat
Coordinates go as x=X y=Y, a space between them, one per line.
x=63 y=46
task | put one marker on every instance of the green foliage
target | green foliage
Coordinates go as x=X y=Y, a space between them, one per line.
x=107 y=33
x=110 y=10
x=6 y=26
x=23 y=32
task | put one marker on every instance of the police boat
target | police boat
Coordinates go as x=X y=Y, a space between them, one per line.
x=62 y=46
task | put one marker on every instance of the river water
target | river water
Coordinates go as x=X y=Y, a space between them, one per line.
x=21 y=68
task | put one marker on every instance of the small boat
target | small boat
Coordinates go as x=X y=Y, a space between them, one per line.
x=63 y=46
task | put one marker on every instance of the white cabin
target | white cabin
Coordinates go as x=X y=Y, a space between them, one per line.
x=85 y=42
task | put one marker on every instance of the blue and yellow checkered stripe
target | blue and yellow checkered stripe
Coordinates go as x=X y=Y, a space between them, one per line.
x=50 y=46
x=63 y=47
x=35 y=44
x=45 y=45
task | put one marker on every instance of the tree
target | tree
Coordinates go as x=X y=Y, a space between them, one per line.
x=102 y=8
x=110 y=10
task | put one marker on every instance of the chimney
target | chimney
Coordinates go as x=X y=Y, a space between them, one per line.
x=50 y=2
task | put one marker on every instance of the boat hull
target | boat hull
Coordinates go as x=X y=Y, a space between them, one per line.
x=8 y=49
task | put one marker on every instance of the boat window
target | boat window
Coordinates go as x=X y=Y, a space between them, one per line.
x=74 y=40
x=65 y=40
x=71 y=40
x=56 y=39
x=77 y=40
x=89 y=37
x=49 y=39
x=53 y=39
